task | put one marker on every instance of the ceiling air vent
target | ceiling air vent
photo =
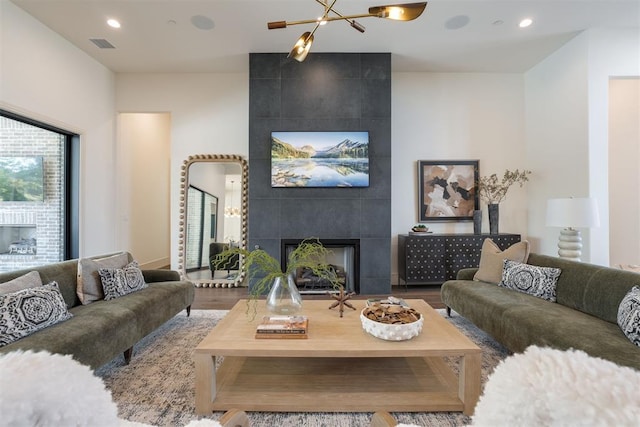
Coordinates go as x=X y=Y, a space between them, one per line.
x=102 y=43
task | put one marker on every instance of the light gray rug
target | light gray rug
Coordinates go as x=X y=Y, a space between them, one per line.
x=157 y=387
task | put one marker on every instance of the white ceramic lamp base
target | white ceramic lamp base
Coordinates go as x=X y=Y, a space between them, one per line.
x=570 y=244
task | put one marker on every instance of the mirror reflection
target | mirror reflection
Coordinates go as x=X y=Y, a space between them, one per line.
x=202 y=227
x=214 y=218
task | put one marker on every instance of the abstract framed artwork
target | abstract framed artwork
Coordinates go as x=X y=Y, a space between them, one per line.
x=447 y=190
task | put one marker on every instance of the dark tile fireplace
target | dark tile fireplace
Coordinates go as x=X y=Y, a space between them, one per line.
x=345 y=257
x=327 y=92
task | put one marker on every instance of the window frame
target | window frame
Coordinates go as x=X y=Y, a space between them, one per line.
x=71 y=185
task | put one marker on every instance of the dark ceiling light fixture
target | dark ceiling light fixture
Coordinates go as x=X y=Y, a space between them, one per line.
x=397 y=12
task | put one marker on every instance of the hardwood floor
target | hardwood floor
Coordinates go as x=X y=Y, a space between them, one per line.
x=225 y=298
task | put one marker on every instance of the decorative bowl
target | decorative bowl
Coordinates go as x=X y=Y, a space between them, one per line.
x=420 y=229
x=391 y=331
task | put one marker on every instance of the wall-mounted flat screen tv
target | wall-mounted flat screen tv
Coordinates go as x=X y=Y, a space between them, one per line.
x=320 y=159
x=21 y=179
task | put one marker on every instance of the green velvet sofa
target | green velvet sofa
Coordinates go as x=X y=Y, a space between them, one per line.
x=102 y=330
x=583 y=318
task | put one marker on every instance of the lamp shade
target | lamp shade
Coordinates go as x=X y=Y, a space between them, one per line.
x=302 y=47
x=398 y=12
x=573 y=212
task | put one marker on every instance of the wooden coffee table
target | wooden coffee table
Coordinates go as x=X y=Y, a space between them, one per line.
x=338 y=368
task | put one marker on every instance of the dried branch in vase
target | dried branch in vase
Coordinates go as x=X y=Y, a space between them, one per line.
x=493 y=190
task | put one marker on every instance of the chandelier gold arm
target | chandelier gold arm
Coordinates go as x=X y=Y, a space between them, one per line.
x=350 y=20
x=284 y=24
x=399 y=12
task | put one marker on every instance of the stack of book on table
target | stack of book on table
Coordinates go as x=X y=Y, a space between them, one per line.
x=291 y=327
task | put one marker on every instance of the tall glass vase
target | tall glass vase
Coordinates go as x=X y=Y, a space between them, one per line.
x=284 y=297
x=493 y=217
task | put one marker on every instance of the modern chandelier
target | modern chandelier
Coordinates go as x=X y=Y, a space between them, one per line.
x=397 y=12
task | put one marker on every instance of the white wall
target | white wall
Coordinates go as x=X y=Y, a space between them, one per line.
x=611 y=54
x=557 y=137
x=44 y=77
x=451 y=116
x=143 y=178
x=567 y=130
x=624 y=174
x=209 y=115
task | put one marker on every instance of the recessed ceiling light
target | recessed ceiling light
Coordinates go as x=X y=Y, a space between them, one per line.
x=202 y=22
x=525 y=22
x=457 y=22
x=113 y=23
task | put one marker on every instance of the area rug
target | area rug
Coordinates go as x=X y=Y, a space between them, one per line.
x=157 y=387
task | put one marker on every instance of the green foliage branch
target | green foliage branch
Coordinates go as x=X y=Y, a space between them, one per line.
x=265 y=269
x=493 y=190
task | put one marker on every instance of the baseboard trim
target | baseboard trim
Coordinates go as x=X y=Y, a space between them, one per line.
x=159 y=263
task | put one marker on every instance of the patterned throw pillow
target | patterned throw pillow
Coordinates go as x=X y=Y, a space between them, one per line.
x=629 y=315
x=117 y=282
x=27 y=311
x=530 y=279
x=89 y=288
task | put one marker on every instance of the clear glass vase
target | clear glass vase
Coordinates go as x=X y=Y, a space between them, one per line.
x=284 y=297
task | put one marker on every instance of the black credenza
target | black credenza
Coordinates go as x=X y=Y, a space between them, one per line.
x=432 y=259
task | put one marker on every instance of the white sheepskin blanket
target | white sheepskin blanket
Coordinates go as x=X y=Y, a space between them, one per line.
x=547 y=387
x=51 y=390
x=43 y=389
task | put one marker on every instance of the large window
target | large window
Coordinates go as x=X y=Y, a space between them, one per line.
x=39 y=168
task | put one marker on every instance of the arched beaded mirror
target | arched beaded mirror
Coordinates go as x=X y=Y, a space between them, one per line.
x=213 y=216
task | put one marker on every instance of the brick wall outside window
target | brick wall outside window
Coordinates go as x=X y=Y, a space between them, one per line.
x=23 y=140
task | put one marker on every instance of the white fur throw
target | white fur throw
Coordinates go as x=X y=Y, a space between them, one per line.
x=43 y=389
x=547 y=387
x=51 y=390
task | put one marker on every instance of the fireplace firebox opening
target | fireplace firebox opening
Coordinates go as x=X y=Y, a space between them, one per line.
x=344 y=257
x=18 y=240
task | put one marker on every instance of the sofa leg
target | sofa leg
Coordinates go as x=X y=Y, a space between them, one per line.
x=448 y=311
x=127 y=355
x=188 y=310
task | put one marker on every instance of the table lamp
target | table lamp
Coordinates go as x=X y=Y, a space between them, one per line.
x=572 y=213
